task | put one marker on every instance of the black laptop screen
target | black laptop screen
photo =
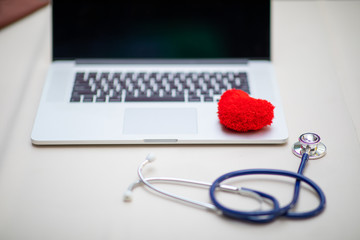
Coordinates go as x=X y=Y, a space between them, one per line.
x=185 y=30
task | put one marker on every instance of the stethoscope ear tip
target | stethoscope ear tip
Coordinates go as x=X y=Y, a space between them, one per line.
x=127 y=196
x=150 y=157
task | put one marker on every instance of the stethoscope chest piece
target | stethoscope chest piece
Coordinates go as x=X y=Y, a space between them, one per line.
x=309 y=142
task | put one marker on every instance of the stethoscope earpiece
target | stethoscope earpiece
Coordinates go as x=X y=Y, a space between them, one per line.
x=310 y=143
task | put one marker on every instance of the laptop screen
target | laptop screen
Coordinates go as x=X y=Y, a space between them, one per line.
x=88 y=29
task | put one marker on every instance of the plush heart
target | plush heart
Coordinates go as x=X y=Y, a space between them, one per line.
x=240 y=112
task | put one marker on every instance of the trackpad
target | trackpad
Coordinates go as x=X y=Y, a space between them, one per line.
x=160 y=121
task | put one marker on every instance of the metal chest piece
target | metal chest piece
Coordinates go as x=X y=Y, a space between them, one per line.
x=309 y=141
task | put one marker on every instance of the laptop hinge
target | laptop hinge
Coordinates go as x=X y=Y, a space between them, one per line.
x=161 y=61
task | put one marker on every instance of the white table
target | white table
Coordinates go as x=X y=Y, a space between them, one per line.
x=75 y=192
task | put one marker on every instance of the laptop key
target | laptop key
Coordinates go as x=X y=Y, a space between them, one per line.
x=100 y=99
x=88 y=98
x=80 y=76
x=179 y=98
x=208 y=99
x=194 y=99
x=115 y=99
x=75 y=99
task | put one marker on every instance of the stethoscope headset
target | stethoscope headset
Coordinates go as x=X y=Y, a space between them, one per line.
x=308 y=147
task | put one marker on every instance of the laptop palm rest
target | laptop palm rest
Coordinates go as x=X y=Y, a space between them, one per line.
x=163 y=121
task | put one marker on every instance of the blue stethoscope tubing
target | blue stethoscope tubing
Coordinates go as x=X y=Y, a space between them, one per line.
x=276 y=211
x=308 y=147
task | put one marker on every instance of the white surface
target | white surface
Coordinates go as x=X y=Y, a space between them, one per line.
x=76 y=192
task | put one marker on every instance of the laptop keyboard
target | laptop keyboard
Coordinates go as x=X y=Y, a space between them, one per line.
x=155 y=86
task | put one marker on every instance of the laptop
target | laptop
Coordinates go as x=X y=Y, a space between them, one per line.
x=153 y=73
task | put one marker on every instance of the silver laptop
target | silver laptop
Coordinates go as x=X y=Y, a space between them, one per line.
x=152 y=73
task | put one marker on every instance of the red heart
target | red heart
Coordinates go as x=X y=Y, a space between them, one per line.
x=240 y=112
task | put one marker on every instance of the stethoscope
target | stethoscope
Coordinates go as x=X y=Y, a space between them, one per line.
x=308 y=147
